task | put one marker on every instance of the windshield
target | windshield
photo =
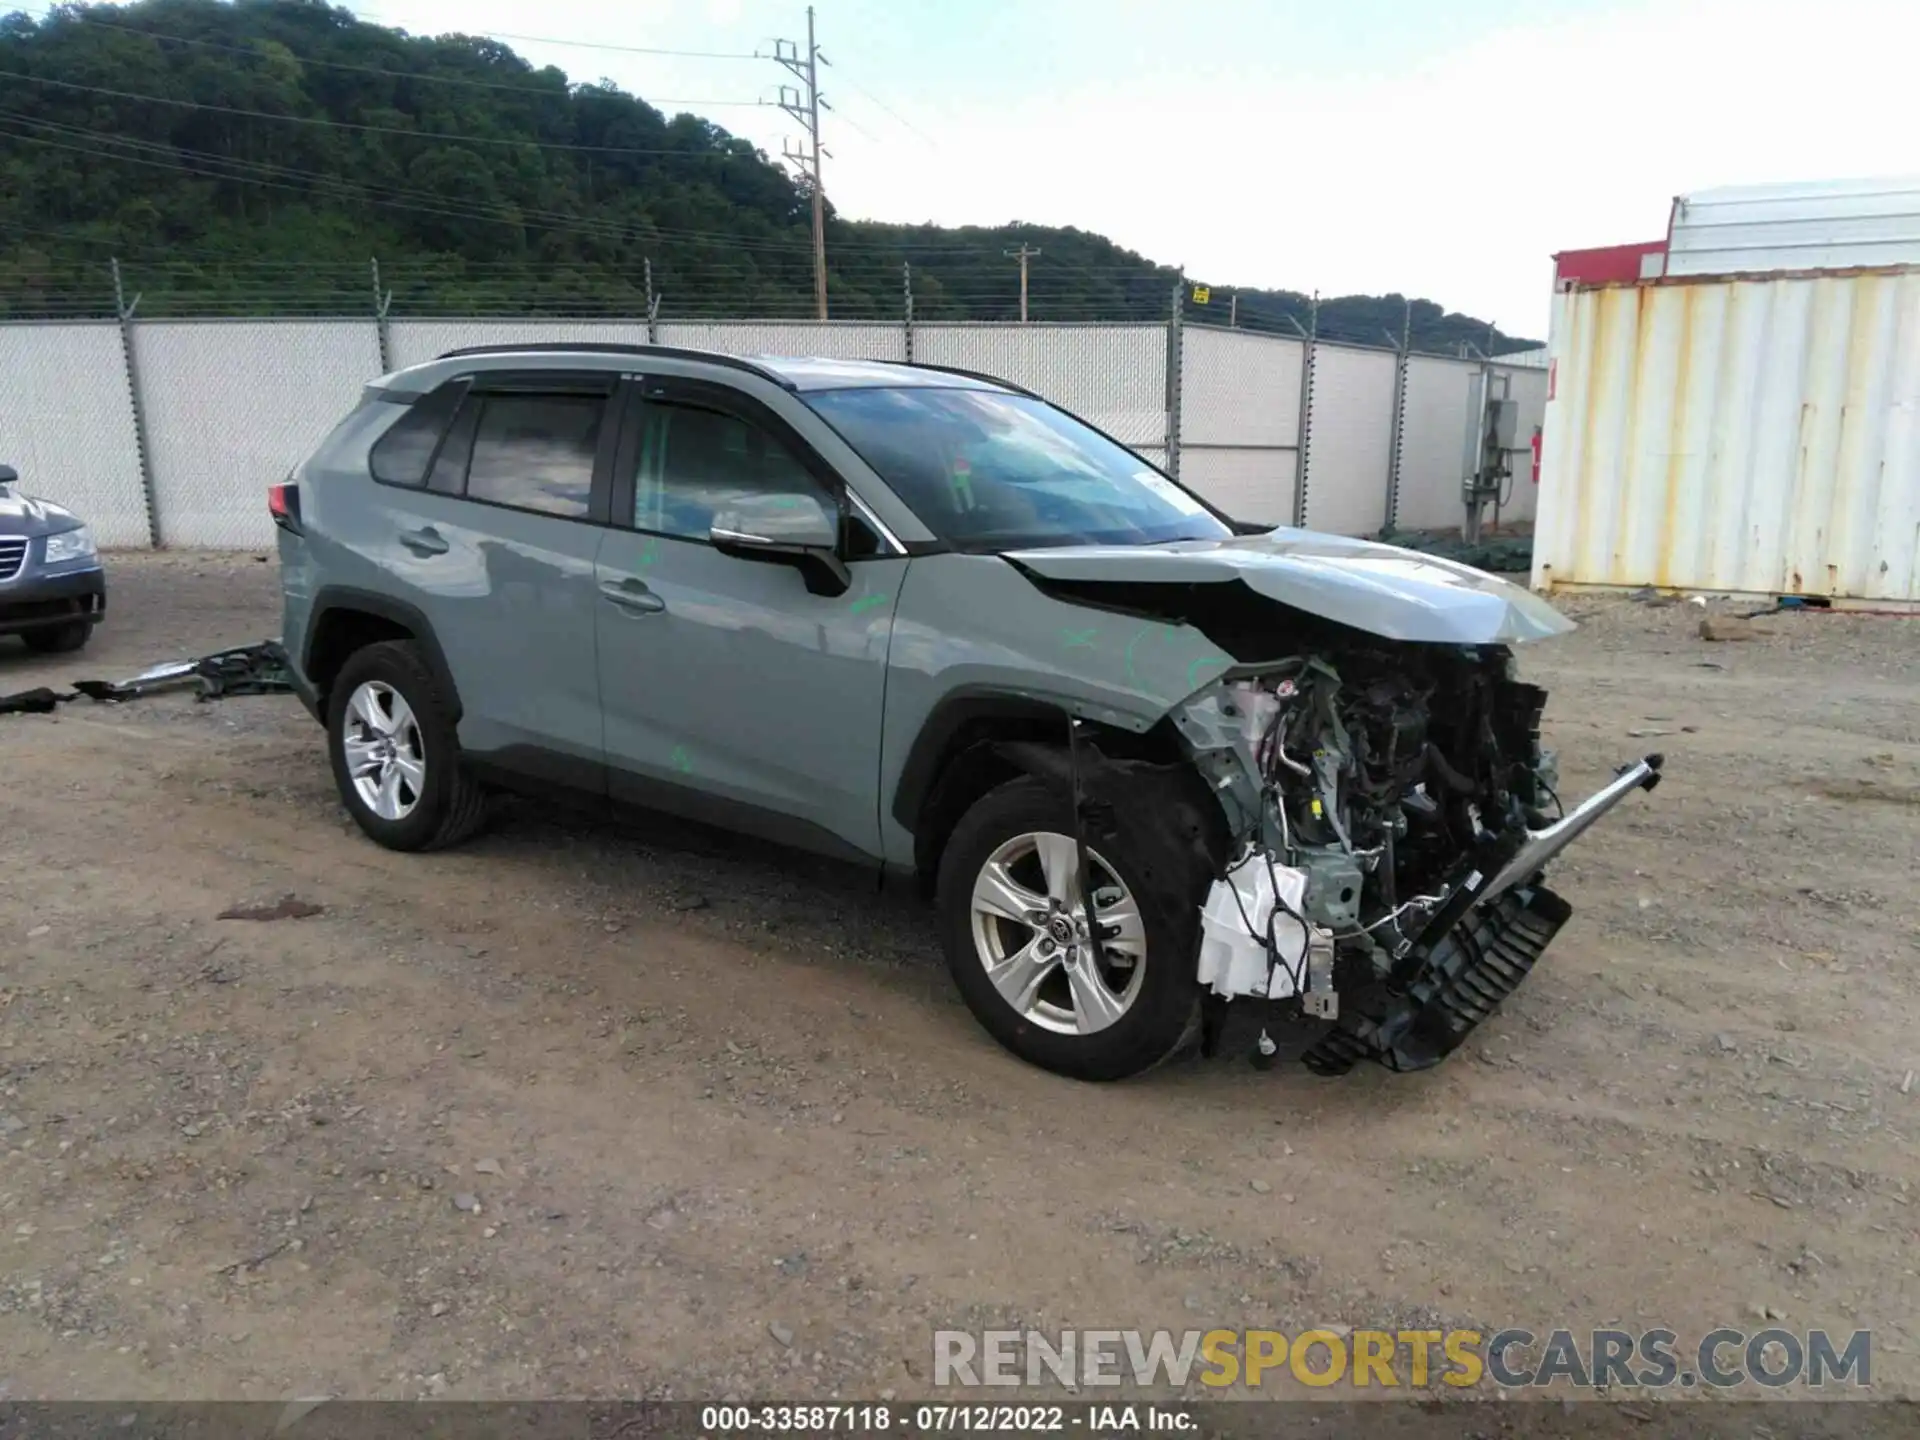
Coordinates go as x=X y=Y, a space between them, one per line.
x=988 y=471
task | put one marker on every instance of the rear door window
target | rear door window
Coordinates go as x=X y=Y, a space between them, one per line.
x=536 y=452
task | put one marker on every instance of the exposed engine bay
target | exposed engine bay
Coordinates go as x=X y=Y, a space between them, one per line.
x=1391 y=811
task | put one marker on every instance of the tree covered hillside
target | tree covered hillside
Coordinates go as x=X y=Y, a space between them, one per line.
x=250 y=158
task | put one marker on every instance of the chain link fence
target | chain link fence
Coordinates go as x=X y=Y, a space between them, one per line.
x=168 y=431
x=231 y=407
x=1240 y=398
x=67 y=425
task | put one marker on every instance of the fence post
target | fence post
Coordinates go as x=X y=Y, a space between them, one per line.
x=1311 y=335
x=123 y=311
x=906 y=300
x=1175 y=342
x=1401 y=359
x=653 y=303
x=382 y=302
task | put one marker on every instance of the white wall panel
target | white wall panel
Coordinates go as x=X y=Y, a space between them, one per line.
x=1238 y=388
x=1433 y=442
x=1348 y=440
x=1115 y=376
x=233 y=406
x=66 y=424
x=416 y=341
x=835 y=340
x=1249 y=484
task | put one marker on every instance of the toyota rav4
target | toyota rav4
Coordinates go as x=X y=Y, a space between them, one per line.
x=1147 y=760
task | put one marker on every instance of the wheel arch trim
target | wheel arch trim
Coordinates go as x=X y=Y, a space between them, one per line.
x=332 y=600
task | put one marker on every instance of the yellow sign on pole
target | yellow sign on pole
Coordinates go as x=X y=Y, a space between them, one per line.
x=1201 y=294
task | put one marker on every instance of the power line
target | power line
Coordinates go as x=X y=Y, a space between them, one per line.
x=400 y=199
x=370 y=129
x=888 y=109
x=373 y=17
x=544 y=91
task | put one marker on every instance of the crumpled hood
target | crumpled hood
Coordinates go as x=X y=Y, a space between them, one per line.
x=1383 y=589
x=23 y=515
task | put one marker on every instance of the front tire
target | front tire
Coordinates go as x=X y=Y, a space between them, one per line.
x=59 y=639
x=390 y=736
x=1013 y=926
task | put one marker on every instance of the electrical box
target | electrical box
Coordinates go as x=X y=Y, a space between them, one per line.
x=1503 y=423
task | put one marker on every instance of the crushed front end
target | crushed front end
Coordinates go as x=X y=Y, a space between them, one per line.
x=1392 y=813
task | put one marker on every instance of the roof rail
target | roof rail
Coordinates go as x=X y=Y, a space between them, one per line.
x=971 y=375
x=606 y=347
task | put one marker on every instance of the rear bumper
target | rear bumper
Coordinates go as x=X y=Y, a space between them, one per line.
x=35 y=601
x=304 y=691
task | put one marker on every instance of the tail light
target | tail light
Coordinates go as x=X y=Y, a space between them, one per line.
x=283 y=503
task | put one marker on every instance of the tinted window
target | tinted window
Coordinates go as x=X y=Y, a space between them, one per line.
x=696 y=463
x=988 y=471
x=449 y=473
x=535 y=452
x=401 y=456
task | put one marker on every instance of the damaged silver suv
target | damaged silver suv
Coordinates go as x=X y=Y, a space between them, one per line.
x=1151 y=762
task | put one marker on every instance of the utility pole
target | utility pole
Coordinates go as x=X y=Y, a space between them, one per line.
x=805 y=106
x=1023 y=255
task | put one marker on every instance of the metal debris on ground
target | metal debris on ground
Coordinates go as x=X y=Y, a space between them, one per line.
x=287 y=907
x=247 y=670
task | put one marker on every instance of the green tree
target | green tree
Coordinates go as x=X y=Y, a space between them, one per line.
x=249 y=158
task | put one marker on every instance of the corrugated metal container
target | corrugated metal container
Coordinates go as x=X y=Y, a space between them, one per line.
x=1818 y=225
x=1758 y=436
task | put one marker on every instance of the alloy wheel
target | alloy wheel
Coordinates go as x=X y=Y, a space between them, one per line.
x=1030 y=934
x=385 y=756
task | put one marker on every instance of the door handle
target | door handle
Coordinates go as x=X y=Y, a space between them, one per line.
x=424 y=541
x=632 y=596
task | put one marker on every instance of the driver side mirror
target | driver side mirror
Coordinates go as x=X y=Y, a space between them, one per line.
x=8 y=475
x=796 y=530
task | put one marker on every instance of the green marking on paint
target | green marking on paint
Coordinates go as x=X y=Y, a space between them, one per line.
x=867 y=602
x=650 y=554
x=680 y=760
x=1074 y=638
x=1138 y=637
x=1203 y=660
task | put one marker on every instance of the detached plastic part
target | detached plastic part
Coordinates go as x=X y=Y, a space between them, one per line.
x=1233 y=957
x=249 y=670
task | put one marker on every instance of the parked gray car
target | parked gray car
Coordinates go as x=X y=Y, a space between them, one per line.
x=1149 y=762
x=52 y=588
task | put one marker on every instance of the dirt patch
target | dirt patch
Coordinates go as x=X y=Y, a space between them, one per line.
x=1872 y=790
x=577 y=1110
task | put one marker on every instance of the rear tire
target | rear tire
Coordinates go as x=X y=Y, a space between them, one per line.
x=59 y=639
x=385 y=702
x=1161 y=1005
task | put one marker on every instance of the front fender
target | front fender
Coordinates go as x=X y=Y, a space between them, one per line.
x=973 y=628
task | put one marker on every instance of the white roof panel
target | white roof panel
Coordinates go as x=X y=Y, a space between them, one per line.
x=1814 y=225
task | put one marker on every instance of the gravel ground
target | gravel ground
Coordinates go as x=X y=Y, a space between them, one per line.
x=596 y=1111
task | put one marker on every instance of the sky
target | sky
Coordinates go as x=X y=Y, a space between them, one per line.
x=1438 y=148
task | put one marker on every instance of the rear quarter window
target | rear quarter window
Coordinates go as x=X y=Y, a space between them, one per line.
x=402 y=455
